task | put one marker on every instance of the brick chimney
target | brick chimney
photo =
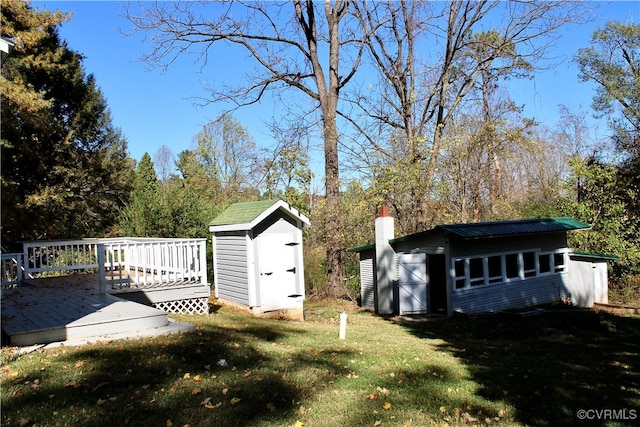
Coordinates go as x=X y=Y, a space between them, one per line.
x=385 y=262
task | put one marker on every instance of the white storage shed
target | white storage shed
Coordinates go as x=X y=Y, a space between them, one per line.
x=258 y=257
x=478 y=267
x=589 y=281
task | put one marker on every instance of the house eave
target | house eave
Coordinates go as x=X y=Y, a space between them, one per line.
x=230 y=227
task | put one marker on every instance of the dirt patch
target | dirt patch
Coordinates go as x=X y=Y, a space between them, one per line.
x=619 y=309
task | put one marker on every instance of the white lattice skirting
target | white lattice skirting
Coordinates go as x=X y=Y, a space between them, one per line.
x=185 y=306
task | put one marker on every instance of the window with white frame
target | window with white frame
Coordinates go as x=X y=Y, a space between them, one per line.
x=529 y=264
x=559 y=261
x=460 y=281
x=476 y=271
x=512 y=266
x=552 y=262
x=494 y=268
x=500 y=268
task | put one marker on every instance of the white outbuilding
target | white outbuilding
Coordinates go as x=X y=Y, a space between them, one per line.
x=258 y=257
x=479 y=267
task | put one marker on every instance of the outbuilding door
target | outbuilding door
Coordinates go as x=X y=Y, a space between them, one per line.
x=277 y=271
x=412 y=284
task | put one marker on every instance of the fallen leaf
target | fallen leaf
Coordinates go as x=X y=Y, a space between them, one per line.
x=298 y=424
x=225 y=390
x=197 y=378
x=169 y=423
x=196 y=390
x=235 y=400
x=372 y=396
x=186 y=376
x=386 y=406
x=271 y=407
x=468 y=418
x=383 y=391
x=443 y=409
x=207 y=404
x=80 y=363
x=101 y=401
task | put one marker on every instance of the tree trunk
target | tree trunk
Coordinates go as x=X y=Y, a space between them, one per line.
x=328 y=96
x=335 y=286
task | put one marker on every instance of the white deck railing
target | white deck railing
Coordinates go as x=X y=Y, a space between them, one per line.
x=121 y=262
x=11 y=270
x=44 y=258
x=139 y=263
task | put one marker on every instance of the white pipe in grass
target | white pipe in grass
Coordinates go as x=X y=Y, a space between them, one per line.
x=343 y=325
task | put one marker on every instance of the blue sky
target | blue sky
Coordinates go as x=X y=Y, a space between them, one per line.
x=155 y=108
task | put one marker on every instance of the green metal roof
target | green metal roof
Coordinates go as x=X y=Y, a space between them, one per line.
x=593 y=255
x=480 y=230
x=514 y=227
x=243 y=212
x=361 y=248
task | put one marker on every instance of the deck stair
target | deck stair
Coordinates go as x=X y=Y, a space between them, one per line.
x=86 y=289
x=72 y=309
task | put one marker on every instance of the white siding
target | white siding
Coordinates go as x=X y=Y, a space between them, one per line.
x=232 y=275
x=588 y=282
x=367 y=285
x=504 y=296
x=412 y=283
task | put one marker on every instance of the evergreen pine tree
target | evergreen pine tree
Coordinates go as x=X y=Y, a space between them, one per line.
x=65 y=168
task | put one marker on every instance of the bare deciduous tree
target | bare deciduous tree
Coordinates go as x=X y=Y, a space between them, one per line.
x=421 y=93
x=164 y=161
x=300 y=45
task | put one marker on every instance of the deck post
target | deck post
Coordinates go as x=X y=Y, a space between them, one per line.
x=20 y=267
x=203 y=262
x=102 y=274
x=25 y=261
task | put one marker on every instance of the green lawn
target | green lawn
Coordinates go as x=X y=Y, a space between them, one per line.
x=238 y=370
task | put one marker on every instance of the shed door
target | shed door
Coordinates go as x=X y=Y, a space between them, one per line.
x=600 y=283
x=412 y=283
x=277 y=263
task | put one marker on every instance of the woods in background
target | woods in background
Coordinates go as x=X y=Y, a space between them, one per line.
x=433 y=133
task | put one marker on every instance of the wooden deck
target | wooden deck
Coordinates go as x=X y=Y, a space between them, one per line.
x=71 y=309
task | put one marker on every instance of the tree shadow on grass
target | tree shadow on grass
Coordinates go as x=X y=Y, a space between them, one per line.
x=216 y=376
x=422 y=396
x=551 y=366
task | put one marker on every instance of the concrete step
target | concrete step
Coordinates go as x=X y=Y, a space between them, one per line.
x=116 y=318
x=44 y=315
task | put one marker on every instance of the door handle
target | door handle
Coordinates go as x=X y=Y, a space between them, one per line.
x=292 y=270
